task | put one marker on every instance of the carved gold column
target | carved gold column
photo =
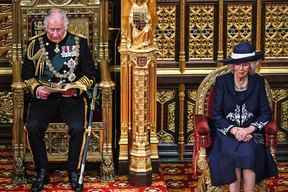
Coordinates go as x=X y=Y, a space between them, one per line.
x=259 y=25
x=140 y=155
x=107 y=87
x=124 y=102
x=18 y=95
x=138 y=90
x=181 y=140
x=152 y=115
x=182 y=62
x=124 y=90
x=220 y=30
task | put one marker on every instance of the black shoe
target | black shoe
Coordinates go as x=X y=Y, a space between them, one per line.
x=73 y=179
x=41 y=180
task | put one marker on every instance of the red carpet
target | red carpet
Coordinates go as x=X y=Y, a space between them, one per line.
x=59 y=180
x=178 y=178
x=172 y=178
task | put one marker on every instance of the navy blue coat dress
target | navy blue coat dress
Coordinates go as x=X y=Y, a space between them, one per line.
x=240 y=109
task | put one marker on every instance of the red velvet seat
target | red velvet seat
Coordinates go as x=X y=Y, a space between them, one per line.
x=202 y=137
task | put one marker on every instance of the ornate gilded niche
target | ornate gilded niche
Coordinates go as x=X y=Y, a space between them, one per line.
x=5 y=29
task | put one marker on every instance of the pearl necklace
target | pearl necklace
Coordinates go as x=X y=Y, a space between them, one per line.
x=241 y=85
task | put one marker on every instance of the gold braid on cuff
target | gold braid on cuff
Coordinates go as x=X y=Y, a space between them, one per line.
x=31 y=84
x=83 y=83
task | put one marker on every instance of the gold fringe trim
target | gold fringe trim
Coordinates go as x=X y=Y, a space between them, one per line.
x=39 y=56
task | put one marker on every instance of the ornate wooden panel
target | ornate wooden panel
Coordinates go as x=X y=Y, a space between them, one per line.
x=276 y=30
x=239 y=24
x=280 y=100
x=166 y=32
x=210 y=31
x=5 y=29
x=167 y=116
x=201 y=31
x=6 y=107
x=189 y=117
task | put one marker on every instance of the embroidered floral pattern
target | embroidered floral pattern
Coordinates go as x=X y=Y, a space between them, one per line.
x=225 y=130
x=240 y=115
x=259 y=125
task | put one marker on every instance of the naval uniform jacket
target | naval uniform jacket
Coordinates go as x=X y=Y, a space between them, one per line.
x=50 y=64
x=70 y=60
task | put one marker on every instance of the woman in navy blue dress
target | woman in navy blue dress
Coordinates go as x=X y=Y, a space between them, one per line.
x=240 y=112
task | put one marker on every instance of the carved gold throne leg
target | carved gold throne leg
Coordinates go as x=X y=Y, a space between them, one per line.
x=18 y=132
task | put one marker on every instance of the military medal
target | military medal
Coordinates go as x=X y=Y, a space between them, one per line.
x=66 y=52
x=57 y=50
x=71 y=77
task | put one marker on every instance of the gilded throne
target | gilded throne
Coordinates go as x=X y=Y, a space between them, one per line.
x=84 y=20
x=202 y=134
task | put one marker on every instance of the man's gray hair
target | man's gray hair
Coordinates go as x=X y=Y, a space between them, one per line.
x=54 y=11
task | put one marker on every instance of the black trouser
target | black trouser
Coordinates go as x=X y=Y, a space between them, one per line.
x=41 y=112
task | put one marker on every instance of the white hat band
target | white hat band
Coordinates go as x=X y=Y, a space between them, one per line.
x=241 y=55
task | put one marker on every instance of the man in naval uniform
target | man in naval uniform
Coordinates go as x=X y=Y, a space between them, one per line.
x=57 y=69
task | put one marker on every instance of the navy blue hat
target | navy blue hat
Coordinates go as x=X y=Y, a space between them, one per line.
x=243 y=52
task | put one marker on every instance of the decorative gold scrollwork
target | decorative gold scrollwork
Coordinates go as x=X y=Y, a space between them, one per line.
x=201 y=31
x=239 y=24
x=165 y=98
x=166 y=32
x=6 y=107
x=276 y=32
x=60 y=2
x=5 y=29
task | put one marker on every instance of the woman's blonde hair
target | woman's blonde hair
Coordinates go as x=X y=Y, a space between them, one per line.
x=252 y=69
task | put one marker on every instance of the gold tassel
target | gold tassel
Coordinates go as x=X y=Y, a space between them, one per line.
x=31 y=84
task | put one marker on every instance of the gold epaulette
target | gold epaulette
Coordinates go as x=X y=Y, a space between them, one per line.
x=78 y=35
x=38 y=57
x=36 y=36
